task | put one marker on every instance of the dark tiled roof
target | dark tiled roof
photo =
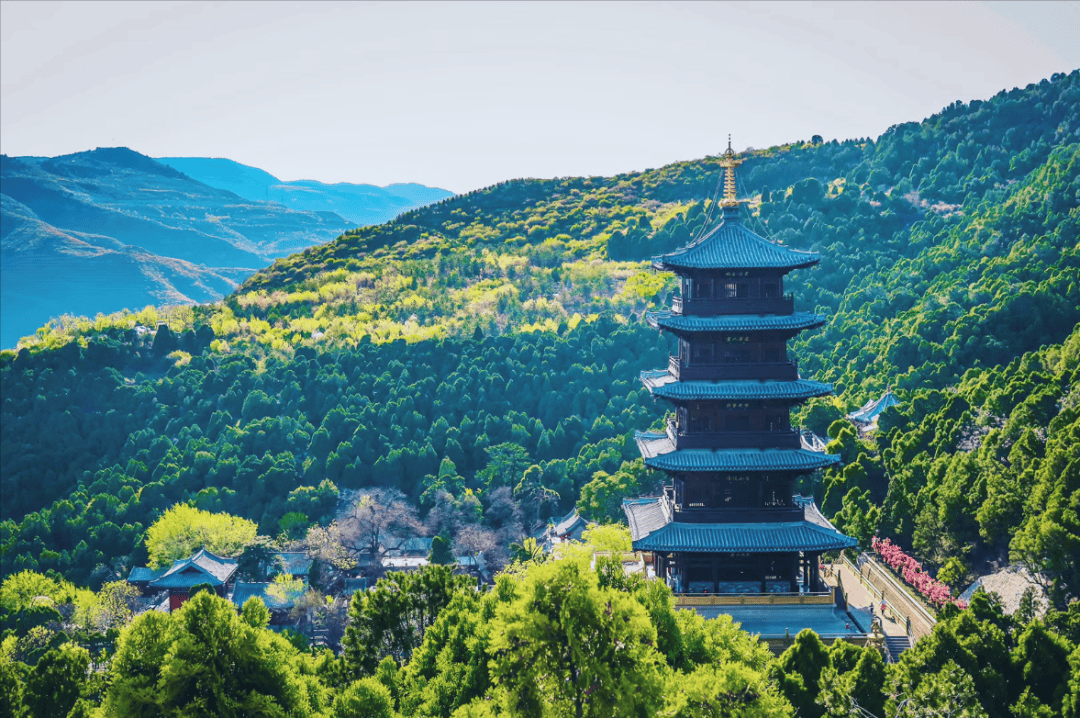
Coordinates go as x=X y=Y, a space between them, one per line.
x=659 y=453
x=142 y=573
x=244 y=591
x=569 y=523
x=730 y=245
x=744 y=538
x=352 y=585
x=203 y=567
x=651 y=529
x=413 y=546
x=662 y=383
x=798 y=321
x=295 y=563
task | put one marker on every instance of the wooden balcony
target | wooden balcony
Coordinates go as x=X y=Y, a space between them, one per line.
x=786 y=439
x=736 y=516
x=784 y=371
x=757 y=305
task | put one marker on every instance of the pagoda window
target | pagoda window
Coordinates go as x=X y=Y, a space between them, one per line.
x=696 y=495
x=736 y=290
x=703 y=288
x=770 y=290
x=775 y=497
x=739 y=492
x=737 y=422
x=776 y=422
x=774 y=354
x=703 y=353
x=700 y=420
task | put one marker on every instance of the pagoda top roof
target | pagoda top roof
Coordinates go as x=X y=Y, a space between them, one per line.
x=662 y=383
x=798 y=321
x=730 y=245
x=652 y=529
x=659 y=452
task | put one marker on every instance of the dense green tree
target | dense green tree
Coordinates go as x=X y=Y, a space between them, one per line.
x=798 y=672
x=565 y=646
x=55 y=683
x=391 y=618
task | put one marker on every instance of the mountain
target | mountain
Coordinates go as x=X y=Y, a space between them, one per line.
x=362 y=204
x=108 y=229
x=49 y=272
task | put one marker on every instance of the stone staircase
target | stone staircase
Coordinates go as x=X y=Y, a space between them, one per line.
x=895 y=645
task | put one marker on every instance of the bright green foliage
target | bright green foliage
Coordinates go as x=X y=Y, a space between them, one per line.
x=717 y=640
x=12 y=681
x=728 y=690
x=183 y=530
x=601 y=499
x=848 y=688
x=567 y=647
x=440 y=551
x=365 y=697
x=1040 y=662
x=255 y=613
x=947 y=692
x=204 y=660
x=798 y=672
x=977 y=648
x=285 y=588
x=450 y=667
x=391 y=618
x=1070 y=707
x=56 y=682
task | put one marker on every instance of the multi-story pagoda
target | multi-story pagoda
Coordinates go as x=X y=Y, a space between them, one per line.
x=729 y=522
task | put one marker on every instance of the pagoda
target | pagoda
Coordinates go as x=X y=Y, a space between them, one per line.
x=728 y=521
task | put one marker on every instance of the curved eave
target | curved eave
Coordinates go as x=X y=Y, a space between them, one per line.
x=660 y=453
x=664 y=264
x=744 y=538
x=727 y=323
x=664 y=385
x=730 y=245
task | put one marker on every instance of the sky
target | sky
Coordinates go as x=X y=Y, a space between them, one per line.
x=463 y=95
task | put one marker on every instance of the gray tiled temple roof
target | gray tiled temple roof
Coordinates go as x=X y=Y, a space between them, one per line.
x=203 y=567
x=295 y=563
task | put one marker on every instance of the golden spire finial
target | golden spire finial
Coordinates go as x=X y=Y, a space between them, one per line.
x=729 y=162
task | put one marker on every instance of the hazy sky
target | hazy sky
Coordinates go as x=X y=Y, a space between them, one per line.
x=464 y=95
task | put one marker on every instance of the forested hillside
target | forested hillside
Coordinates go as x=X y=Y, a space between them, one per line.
x=463 y=344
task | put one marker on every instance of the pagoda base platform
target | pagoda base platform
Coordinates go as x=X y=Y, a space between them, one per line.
x=777 y=626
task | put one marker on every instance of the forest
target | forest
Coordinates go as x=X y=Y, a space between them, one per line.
x=480 y=357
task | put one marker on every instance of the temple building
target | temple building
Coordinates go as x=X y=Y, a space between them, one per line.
x=729 y=522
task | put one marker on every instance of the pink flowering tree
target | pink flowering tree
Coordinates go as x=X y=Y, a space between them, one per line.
x=912 y=572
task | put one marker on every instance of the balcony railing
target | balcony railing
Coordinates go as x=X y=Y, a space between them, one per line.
x=736 y=515
x=785 y=370
x=782 y=439
x=756 y=305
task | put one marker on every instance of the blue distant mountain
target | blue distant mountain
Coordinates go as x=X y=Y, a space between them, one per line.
x=110 y=229
x=362 y=204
